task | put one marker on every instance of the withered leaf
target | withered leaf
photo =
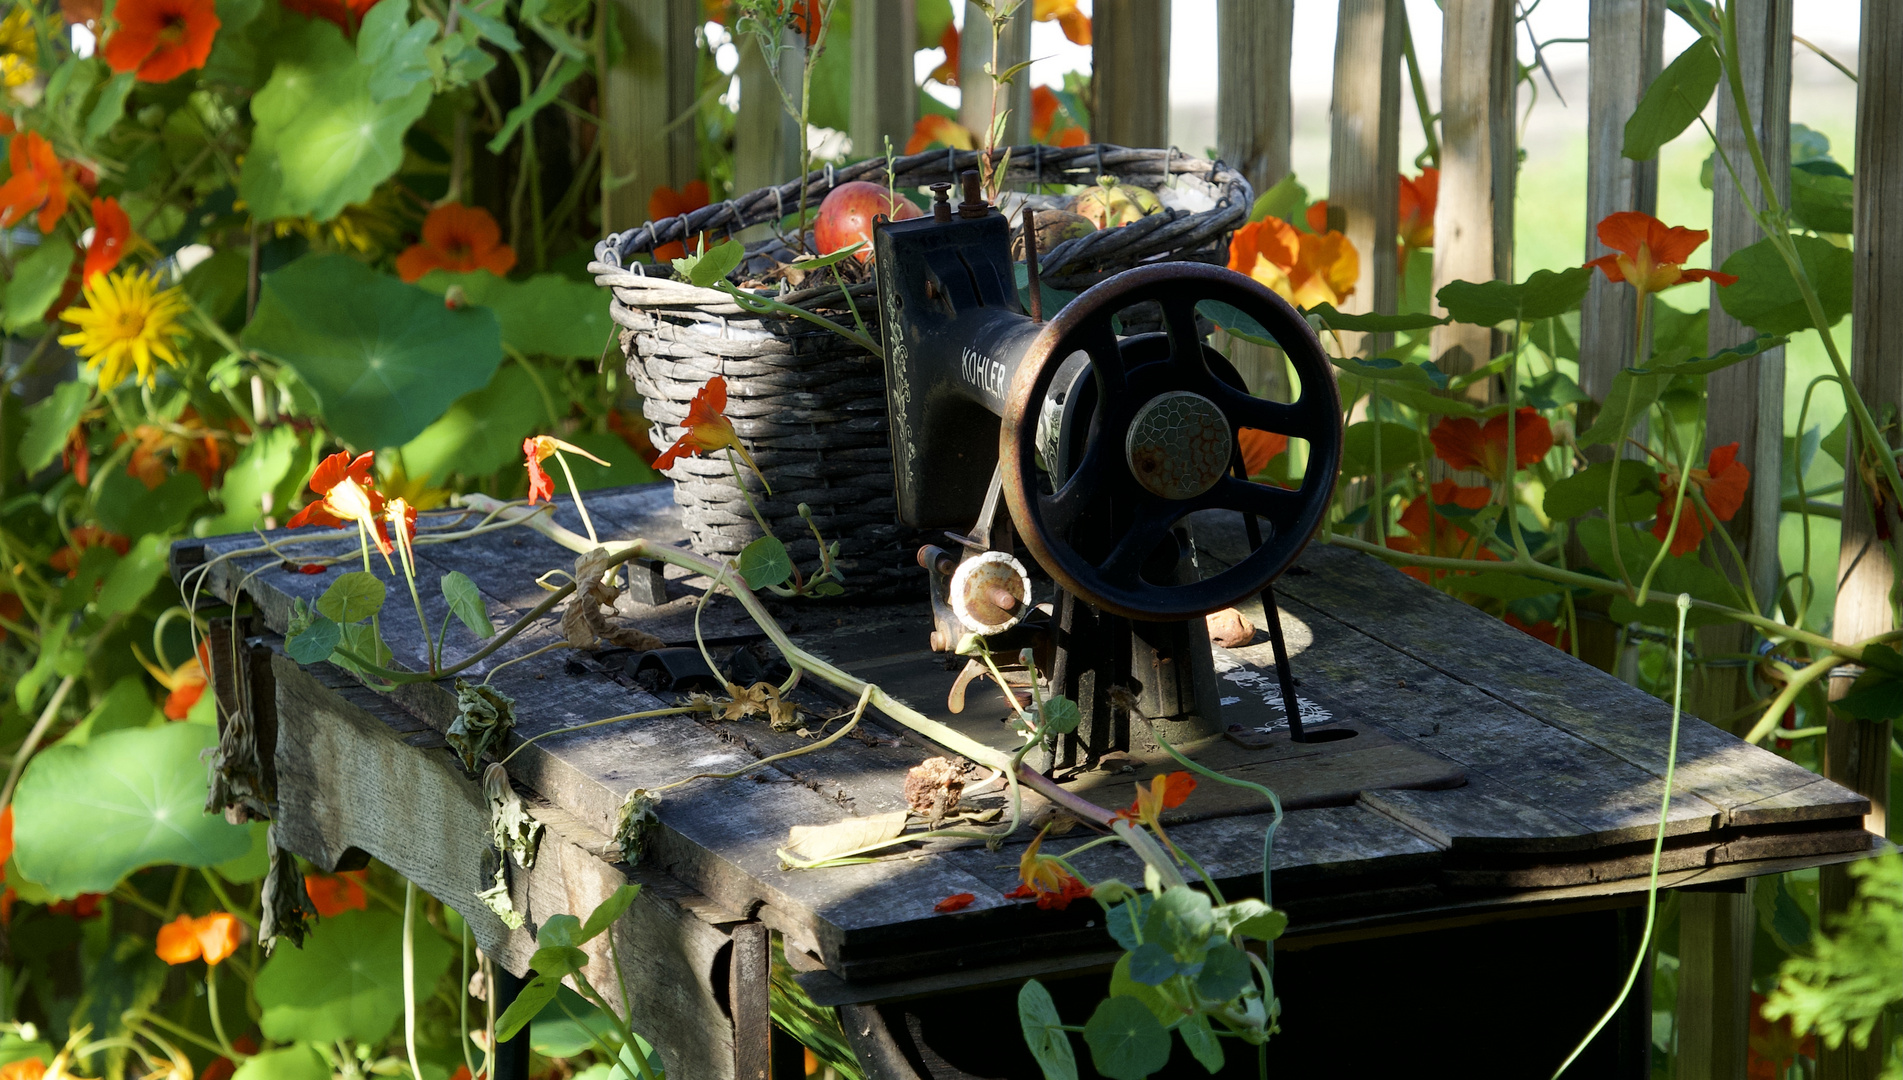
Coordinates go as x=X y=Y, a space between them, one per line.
x=484 y=718
x=826 y=841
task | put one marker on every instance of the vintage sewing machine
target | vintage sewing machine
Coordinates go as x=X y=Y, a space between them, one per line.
x=1108 y=450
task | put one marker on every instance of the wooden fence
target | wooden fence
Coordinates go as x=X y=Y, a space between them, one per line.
x=653 y=85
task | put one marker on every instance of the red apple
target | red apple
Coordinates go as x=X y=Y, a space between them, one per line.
x=845 y=216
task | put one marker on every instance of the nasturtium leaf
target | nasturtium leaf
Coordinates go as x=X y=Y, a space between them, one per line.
x=1401 y=446
x=482 y=431
x=1821 y=197
x=1161 y=1006
x=1673 y=101
x=1633 y=392
x=1126 y=1042
x=765 y=562
x=607 y=912
x=299 y=1061
x=1152 y=965
x=1059 y=715
x=1202 y=1042
x=38 y=277
x=361 y=639
x=1719 y=360
x=48 y=423
x=1044 y=1032
x=137 y=797
x=1765 y=296
x=1255 y=919
x=1875 y=696
x=1553 y=390
x=396 y=51
x=530 y=1000
x=346 y=983
x=127 y=975
x=487 y=18
x=1543 y=295
x=1231 y=319
x=254 y=863
x=1182 y=918
x=322 y=141
x=1372 y=323
x=465 y=599
x=1585 y=491
x=1123 y=920
x=1554 y=338
x=133 y=576
x=125 y=705
x=1386 y=369
x=1676 y=574
x=705 y=268
x=129 y=508
x=385 y=359
x=558 y=961
x=110 y=107
x=569 y=1025
x=547 y=315
x=1286 y=199
x=315 y=643
x=1225 y=974
x=260 y=468
x=353 y=597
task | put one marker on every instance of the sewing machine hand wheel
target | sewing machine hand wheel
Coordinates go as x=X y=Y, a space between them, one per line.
x=1162 y=443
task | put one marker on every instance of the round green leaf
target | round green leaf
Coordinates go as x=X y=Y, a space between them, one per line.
x=286 y=1063
x=315 y=643
x=385 y=359
x=482 y=432
x=1225 y=974
x=1126 y=1042
x=135 y=797
x=765 y=562
x=547 y=315
x=347 y=980
x=1044 y=1032
x=1766 y=297
x=352 y=598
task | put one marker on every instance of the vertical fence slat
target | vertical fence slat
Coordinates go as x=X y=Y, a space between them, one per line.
x=1130 y=62
x=1254 y=43
x=1856 y=752
x=766 y=141
x=1625 y=42
x=884 y=37
x=974 y=86
x=651 y=85
x=1364 y=153
x=1473 y=225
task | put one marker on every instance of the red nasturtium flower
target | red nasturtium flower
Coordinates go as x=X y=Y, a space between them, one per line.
x=1166 y=791
x=940 y=130
x=209 y=937
x=1772 y=1044
x=708 y=428
x=76 y=456
x=222 y=1068
x=954 y=902
x=539 y=448
x=1722 y=482
x=947 y=70
x=1545 y=630
x=346 y=493
x=161 y=39
x=82 y=907
x=1464 y=444
x=1303 y=268
x=38 y=182
x=459 y=239
x=1044 y=108
x=6 y=834
x=184 y=684
x=665 y=202
x=1430 y=533
x=111 y=231
x=347 y=14
x=1419 y=197
x=13 y=610
x=334 y=894
x=66 y=559
x=1045 y=880
x=1260 y=447
x=1650 y=255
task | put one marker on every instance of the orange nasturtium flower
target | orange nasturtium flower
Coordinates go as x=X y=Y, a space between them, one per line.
x=209 y=937
x=112 y=229
x=1259 y=448
x=24 y=1069
x=184 y=684
x=161 y=39
x=6 y=833
x=38 y=182
x=458 y=239
x=1419 y=197
x=346 y=493
x=954 y=902
x=665 y=202
x=1430 y=533
x=933 y=129
x=708 y=429
x=1649 y=254
x=1722 y=482
x=539 y=448
x=1165 y=792
x=1044 y=109
x=1464 y=444
x=334 y=894
x=1045 y=880
x=1303 y=268
x=947 y=70
x=66 y=559
x=347 y=14
x=1075 y=23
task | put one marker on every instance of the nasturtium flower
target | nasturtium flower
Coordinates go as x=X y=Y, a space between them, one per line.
x=458 y=239
x=211 y=938
x=947 y=70
x=1045 y=880
x=26 y=1068
x=1166 y=791
x=1428 y=532
x=933 y=129
x=1650 y=255
x=1044 y=113
x=6 y=829
x=347 y=14
x=345 y=493
x=161 y=39
x=76 y=456
x=127 y=323
x=184 y=684
x=1545 y=630
x=1722 y=482
x=708 y=428
x=66 y=559
x=1260 y=447
x=954 y=902
x=38 y=182
x=1076 y=24
x=1463 y=443
x=112 y=229
x=539 y=448
x=1303 y=268
x=1419 y=197
x=665 y=202
x=334 y=894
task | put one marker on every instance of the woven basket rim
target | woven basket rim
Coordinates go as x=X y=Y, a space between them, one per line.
x=1167 y=230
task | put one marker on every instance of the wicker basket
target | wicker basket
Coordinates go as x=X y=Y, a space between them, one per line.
x=809 y=403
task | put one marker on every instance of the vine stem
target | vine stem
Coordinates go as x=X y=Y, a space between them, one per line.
x=34 y=736
x=409 y=977
x=1146 y=848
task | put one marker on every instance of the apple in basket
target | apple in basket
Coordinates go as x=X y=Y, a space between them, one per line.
x=845 y=216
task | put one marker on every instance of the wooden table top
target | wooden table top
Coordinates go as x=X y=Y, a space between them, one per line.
x=1563 y=764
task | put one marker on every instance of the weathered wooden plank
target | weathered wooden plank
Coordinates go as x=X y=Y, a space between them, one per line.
x=1130 y=52
x=1254 y=43
x=1364 y=153
x=1481 y=817
x=650 y=84
x=766 y=141
x=884 y=37
x=1473 y=222
x=976 y=101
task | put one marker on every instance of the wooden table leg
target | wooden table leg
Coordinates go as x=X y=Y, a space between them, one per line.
x=747 y=994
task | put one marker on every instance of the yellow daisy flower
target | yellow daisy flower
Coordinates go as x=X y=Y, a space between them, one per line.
x=126 y=322
x=19 y=48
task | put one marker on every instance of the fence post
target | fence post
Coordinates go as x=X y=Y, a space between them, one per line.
x=884 y=37
x=1254 y=40
x=650 y=86
x=1364 y=153
x=766 y=141
x=974 y=86
x=1130 y=62
x=1624 y=43
x=1856 y=752
x=1473 y=225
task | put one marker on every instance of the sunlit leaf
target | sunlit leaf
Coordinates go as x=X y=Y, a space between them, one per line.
x=346 y=982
